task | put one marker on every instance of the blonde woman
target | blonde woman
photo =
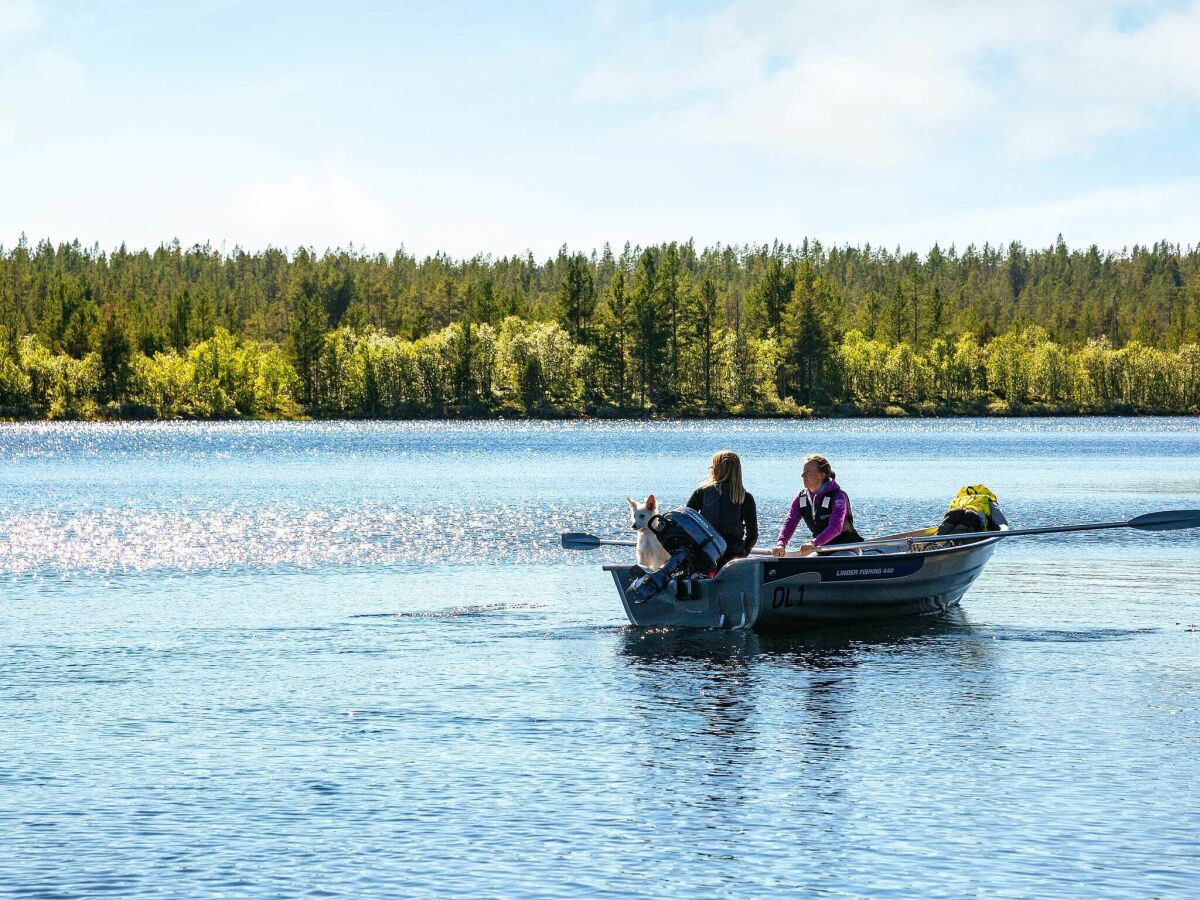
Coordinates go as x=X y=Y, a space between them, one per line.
x=727 y=505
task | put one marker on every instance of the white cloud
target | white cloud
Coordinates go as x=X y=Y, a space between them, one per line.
x=1111 y=218
x=881 y=122
x=869 y=84
x=322 y=207
x=333 y=205
x=38 y=92
x=37 y=82
x=17 y=17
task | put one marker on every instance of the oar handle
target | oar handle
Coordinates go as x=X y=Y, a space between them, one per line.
x=863 y=545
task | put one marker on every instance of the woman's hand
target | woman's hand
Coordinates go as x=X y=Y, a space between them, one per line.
x=778 y=550
x=808 y=549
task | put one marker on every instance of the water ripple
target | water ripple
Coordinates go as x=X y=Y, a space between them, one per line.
x=260 y=659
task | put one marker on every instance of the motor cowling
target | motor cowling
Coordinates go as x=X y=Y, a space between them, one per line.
x=694 y=546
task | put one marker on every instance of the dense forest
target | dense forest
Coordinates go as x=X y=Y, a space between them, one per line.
x=668 y=330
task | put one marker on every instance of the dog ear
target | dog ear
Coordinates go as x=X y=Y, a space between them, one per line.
x=651 y=502
x=631 y=502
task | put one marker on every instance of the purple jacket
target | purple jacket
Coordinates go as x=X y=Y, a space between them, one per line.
x=837 y=515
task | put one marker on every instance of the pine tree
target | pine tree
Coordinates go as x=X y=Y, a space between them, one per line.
x=577 y=297
x=650 y=333
x=769 y=296
x=81 y=326
x=897 y=314
x=464 y=391
x=336 y=286
x=668 y=283
x=307 y=325
x=180 y=317
x=807 y=342
x=911 y=287
x=707 y=315
x=116 y=350
x=937 y=310
x=617 y=327
x=533 y=391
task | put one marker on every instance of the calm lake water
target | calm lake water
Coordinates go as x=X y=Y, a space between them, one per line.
x=281 y=659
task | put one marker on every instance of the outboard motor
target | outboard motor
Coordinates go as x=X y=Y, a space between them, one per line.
x=695 y=549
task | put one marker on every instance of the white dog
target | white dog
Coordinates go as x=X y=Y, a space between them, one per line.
x=650 y=553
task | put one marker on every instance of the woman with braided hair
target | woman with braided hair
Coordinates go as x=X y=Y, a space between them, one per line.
x=824 y=508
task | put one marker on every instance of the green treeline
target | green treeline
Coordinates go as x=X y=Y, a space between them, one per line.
x=669 y=329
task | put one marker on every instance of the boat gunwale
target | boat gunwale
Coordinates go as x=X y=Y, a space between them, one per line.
x=976 y=544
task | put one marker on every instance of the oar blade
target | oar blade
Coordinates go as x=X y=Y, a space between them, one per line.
x=578 y=540
x=1168 y=520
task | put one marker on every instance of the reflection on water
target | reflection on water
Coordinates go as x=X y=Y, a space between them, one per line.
x=828 y=646
x=276 y=660
x=788 y=712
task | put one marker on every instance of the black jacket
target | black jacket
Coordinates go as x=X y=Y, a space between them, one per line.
x=736 y=522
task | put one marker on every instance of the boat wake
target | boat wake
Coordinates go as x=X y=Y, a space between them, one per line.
x=457 y=612
x=1064 y=636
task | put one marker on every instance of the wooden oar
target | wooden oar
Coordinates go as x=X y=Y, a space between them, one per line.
x=578 y=540
x=1168 y=520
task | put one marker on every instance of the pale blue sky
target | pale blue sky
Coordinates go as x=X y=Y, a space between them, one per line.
x=496 y=128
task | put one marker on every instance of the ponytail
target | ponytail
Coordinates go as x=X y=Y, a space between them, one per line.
x=823 y=466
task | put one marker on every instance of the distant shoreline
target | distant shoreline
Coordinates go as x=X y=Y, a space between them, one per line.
x=775 y=331
x=1023 y=413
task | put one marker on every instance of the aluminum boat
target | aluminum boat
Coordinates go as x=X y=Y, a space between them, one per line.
x=764 y=593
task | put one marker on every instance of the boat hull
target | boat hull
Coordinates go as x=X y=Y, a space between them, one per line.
x=768 y=594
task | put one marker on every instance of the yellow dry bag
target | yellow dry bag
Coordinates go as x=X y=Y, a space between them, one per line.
x=975 y=497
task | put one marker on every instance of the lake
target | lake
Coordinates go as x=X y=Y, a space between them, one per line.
x=262 y=659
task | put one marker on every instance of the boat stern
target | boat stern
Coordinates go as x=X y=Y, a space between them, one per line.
x=720 y=602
